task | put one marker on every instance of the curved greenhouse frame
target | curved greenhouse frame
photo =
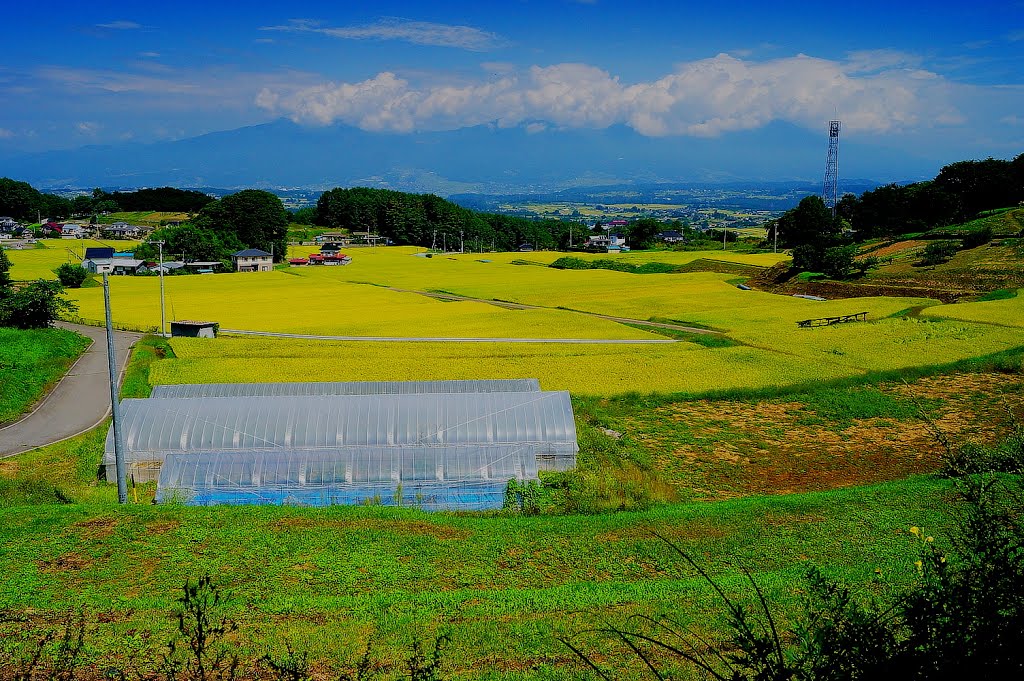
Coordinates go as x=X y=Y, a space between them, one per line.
x=498 y=385
x=156 y=427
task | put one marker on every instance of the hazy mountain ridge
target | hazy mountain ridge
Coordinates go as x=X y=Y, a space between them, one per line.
x=478 y=160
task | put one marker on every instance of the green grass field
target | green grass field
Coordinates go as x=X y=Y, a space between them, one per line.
x=329 y=580
x=31 y=362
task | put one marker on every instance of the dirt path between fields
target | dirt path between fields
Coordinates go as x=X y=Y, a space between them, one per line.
x=79 y=402
x=523 y=306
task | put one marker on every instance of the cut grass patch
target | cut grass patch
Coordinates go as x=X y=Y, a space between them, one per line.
x=31 y=361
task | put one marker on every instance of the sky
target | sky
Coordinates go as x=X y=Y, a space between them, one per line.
x=944 y=79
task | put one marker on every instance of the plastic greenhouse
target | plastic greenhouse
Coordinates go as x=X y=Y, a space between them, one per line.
x=432 y=478
x=513 y=385
x=156 y=427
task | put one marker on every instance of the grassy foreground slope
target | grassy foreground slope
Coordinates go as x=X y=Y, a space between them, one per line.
x=32 y=361
x=329 y=580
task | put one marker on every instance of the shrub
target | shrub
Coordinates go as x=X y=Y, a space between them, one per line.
x=806 y=258
x=978 y=237
x=72 y=276
x=35 y=306
x=938 y=252
x=838 y=261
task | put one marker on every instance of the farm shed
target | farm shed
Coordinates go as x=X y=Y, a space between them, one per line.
x=497 y=385
x=432 y=478
x=192 y=329
x=156 y=427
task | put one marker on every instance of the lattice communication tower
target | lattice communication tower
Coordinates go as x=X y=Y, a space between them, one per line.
x=830 y=188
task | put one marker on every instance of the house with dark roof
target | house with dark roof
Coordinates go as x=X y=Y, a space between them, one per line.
x=672 y=236
x=252 y=260
x=330 y=249
x=97 y=252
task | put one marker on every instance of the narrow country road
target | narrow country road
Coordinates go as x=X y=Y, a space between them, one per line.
x=446 y=339
x=79 y=402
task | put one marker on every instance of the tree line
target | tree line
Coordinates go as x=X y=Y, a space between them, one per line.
x=25 y=203
x=430 y=221
x=823 y=241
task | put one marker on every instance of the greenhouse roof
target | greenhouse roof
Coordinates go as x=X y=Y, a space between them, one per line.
x=156 y=426
x=346 y=388
x=464 y=477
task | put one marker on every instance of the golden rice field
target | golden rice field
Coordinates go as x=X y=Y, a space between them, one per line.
x=1008 y=312
x=31 y=263
x=582 y=369
x=353 y=301
x=282 y=302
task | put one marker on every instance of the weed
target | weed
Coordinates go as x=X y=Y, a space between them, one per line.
x=201 y=651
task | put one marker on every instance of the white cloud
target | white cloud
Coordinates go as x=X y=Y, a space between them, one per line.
x=88 y=128
x=149 y=55
x=392 y=28
x=878 y=91
x=120 y=25
x=6 y=134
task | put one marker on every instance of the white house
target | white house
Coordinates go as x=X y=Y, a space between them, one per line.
x=72 y=231
x=252 y=260
x=114 y=265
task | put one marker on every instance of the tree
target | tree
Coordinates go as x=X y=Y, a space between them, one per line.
x=106 y=206
x=644 y=232
x=304 y=216
x=81 y=205
x=810 y=222
x=19 y=199
x=72 y=276
x=938 y=252
x=838 y=261
x=35 y=306
x=251 y=218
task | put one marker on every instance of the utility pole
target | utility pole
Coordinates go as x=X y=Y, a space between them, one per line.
x=725 y=233
x=115 y=404
x=444 y=241
x=163 y=316
x=775 y=233
x=462 y=242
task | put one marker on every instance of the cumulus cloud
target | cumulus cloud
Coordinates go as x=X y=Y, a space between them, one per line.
x=392 y=28
x=879 y=91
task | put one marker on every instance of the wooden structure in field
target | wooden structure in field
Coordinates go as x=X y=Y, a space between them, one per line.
x=829 y=321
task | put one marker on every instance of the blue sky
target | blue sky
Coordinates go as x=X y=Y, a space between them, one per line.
x=941 y=78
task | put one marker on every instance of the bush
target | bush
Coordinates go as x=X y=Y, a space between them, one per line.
x=72 y=276
x=35 y=306
x=838 y=261
x=978 y=238
x=806 y=258
x=963 y=617
x=938 y=252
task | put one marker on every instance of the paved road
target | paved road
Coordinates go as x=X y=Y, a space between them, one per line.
x=79 y=402
x=411 y=339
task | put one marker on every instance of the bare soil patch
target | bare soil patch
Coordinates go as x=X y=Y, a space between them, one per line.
x=724 y=449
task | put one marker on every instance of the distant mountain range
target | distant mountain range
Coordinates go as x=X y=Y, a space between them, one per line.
x=478 y=160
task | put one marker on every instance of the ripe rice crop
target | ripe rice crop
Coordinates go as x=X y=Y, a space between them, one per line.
x=39 y=263
x=582 y=369
x=281 y=302
x=1008 y=312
